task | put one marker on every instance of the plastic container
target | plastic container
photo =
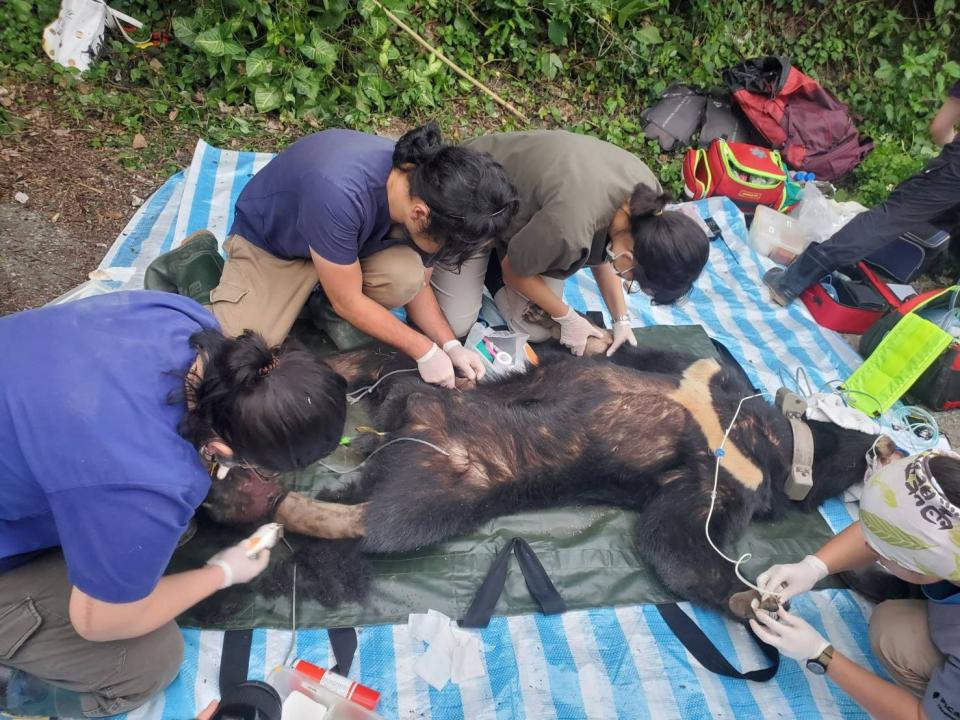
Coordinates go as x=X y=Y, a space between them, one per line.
x=776 y=235
x=306 y=699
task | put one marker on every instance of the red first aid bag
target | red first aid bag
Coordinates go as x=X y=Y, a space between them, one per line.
x=747 y=174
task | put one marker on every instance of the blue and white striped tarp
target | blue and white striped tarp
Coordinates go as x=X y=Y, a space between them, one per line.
x=605 y=663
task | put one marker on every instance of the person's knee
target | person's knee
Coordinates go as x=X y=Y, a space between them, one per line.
x=461 y=325
x=900 y=640
x=395 y=276
x=150 y=665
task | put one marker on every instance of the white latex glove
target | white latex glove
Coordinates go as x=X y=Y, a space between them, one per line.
x=790 y=634
x=436 y=368
x=622 y=333
x=237 y=567
x=793 y=579
x=574 y=331
x=468 y=362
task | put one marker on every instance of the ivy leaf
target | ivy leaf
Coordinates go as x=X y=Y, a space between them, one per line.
x=891 y=534
x=259 y=62
x=942 y=7
x=649 y=35
x=379 y=24
x=550 y=65
x=557 y=32
x=319 y=50
x=184 y=30
x=266 y=98
x=213 y=43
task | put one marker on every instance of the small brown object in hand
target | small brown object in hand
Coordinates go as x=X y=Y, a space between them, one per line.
x=741 y=603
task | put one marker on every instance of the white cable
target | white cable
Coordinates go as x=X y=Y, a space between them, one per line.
x=387 y=444
x=719 y=453
x=293 y=618
x=355 y=396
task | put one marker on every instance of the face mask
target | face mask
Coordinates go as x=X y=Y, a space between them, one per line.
x=907 y=519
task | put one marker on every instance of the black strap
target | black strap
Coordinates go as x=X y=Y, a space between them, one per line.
x=538 y=583
x=706 y=653
x=241 y=699
x=343 y=642
x=235 y=658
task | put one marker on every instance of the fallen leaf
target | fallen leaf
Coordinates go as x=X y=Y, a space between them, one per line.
x=136 y=201
x=21 y=197
x=61 y=132
x=223 y=107
x=173 y=114
x=156 y=65
x=139 y=142
x=56 y=216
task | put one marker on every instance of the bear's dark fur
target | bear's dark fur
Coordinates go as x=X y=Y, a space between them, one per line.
x=630 y=432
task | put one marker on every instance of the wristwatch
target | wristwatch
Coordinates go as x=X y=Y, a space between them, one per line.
x=622 y=318
x=819 y=664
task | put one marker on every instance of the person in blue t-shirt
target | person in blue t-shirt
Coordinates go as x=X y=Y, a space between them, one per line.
x=109 y=407
x=910 y=524
x=367 y=218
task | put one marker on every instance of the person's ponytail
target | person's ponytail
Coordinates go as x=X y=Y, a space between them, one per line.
x=417 y=146
x=670 y=248
x=280 y=409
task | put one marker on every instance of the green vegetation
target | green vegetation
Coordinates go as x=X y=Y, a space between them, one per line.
x=590 y=65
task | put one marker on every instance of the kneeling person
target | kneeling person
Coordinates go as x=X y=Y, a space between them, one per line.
x=108 y=409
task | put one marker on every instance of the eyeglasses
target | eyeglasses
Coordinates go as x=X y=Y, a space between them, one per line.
x=631 y=286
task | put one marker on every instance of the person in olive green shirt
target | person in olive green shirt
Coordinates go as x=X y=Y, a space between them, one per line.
x=583 y=203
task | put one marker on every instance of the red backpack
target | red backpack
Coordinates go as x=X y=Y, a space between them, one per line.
x=796 y=115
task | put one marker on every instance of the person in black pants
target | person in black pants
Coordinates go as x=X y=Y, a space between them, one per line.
x=929 y=195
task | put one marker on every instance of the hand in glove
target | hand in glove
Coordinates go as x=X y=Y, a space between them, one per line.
x=574 y=331
x=622 y=333
x=436 y=367
x=237 y=567
x=789 y=580
x=790 y=634
x=468 y=362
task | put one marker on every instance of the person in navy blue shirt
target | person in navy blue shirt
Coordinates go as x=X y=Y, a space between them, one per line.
x=367 y=218
x=108 y=408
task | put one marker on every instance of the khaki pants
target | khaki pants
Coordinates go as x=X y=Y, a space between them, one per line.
x=460 y=295
x=900 y=639
x=36 y=636
x=259 y=291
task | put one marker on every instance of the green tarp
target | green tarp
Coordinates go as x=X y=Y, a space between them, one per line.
x=588 y=551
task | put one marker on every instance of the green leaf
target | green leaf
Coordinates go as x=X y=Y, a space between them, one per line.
x=259 y=62
x=266 y=98
x=649 y=35
x=550 y=65
x=211 y=42
x=891 y=534
x=184 y=30
x=557 y=32
x=379 y=24
x=951 y=69
x=319 y=50
x=942 y=7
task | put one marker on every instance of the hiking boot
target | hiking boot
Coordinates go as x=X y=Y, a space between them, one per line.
x=786 y=285
x=191 y=270
x=344 y=335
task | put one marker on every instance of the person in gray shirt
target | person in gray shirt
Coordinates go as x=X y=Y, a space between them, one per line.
x=583 y=203
x=910 y=524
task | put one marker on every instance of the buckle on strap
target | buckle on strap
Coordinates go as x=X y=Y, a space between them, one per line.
x=800 y=479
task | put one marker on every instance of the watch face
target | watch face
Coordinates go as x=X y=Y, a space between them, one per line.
x=816 y=667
